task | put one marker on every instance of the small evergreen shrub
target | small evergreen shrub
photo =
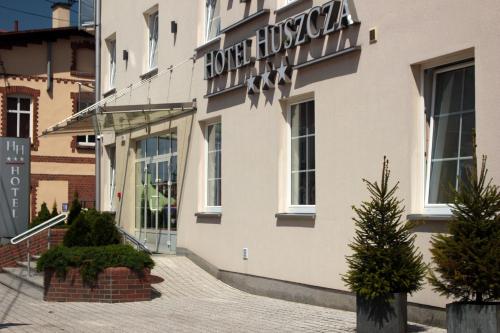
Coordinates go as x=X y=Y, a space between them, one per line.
x=79 y=233
x=467 y=260
x=385 y=260
x=74 y=209
x=42 y=216
x=92 y=228
x=93 y=260
x=54 y=212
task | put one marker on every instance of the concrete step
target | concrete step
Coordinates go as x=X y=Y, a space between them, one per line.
x=17 y=279
x=25 y=265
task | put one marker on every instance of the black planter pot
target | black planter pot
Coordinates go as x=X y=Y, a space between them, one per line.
x=469 y=317
x=378 y=315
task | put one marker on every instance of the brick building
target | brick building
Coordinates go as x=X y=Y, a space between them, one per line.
x=46 y=76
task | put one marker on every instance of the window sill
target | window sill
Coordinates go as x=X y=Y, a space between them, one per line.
x=244 y=21
x=296 y=216
x=207 y=44
x=85 y=145
x=429 y=217
x=287 y=6
x=82 y=74
x=109 y=92
x=149 y=74
x=213 y=215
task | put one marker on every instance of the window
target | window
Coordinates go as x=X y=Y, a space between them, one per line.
x=302 y=189
x=451 y=124
x=85 y=141
x=213 y=172
x=19 y=117
x=212 y=19
x=153 y=40
x=112 y=63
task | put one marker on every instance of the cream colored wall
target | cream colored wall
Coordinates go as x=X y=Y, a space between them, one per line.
x=367 y=105
x=50 y=191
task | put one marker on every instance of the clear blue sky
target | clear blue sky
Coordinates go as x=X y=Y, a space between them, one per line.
x=26 y=21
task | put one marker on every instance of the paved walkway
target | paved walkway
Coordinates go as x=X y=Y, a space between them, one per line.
x=191 y=301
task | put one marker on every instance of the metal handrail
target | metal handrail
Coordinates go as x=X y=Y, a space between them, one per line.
x=134 y=240
x=39 y=228
x=25 y=236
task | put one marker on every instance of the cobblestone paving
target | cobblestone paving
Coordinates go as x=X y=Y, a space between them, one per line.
x=191 y=301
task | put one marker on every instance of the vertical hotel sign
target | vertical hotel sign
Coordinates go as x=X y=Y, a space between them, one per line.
x=14 y=186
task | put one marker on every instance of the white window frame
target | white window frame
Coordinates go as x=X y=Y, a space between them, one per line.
x=444 y=209
x=208 y=22
x=18 y=112
x=112 y=63
x=289 y=207
x=152 y=19
x=86 y=143
x=208 y=208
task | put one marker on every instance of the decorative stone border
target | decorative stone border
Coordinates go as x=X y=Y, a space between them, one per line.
x=114 y=285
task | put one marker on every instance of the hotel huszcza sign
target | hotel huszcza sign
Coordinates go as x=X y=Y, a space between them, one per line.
x=14 y=186
x=317 y=22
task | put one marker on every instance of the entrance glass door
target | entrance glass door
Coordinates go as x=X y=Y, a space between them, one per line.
x=156 y=193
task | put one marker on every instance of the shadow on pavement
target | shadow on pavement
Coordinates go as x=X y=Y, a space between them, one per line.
x=7 y=325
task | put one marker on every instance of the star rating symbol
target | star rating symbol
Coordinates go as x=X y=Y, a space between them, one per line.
x=284 y=72
x=253 y=84
x=268 y=78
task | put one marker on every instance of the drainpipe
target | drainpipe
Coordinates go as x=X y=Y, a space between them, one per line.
x=98 y=138
x=49 y=66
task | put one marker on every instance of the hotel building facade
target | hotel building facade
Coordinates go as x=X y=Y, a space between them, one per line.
x=238 y=132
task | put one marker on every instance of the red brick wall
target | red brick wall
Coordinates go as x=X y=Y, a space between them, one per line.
x=10 y=254
x=114 y=285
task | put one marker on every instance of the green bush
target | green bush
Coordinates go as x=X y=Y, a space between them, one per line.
x=54 y=211
x=78 y=233
x=93 y=260
x=74 y=209
x=42 y=216
x=92 y=228
x=467 y=260
x=384 y=259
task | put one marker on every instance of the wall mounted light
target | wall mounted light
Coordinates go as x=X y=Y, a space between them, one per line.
x=125 y=55
x=173 y=27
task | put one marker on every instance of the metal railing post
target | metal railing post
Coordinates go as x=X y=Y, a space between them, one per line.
x=49 y=238
x=29 y=257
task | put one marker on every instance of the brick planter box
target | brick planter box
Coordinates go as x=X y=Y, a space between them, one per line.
x=114 y=285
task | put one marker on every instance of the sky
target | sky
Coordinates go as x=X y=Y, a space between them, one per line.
x=26 y=21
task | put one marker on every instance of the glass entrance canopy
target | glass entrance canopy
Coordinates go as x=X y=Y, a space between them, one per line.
x=118 y=118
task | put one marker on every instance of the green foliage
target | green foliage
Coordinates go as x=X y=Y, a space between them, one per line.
x=384 y=259
x=468 y=258
x=54 y=212
x=42 y=216
x=74 y=209
x=78 y=233
x=92 y=228
x=93 y=260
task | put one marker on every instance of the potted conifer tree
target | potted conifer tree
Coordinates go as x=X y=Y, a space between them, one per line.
x=467 y=260
x=385 y=265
